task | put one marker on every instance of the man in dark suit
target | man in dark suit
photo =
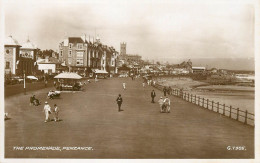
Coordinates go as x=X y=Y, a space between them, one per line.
x=153 y=96
x=119 y=101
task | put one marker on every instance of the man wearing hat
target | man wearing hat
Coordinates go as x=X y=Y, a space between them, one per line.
x=47 y=111
x=153 y=96
x=119 y=101
x=161 y=104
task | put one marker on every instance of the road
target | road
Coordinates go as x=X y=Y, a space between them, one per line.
x=91 y=119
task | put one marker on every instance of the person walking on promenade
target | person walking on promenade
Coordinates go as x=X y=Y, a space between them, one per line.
x=164 y=91
x=169 y=90
x=167 y=104
x=45 y=83
x=56 y=113
x=47 y=111
x=143 y=84
x=153 y=95
x=119 y=101
x=161 y=104
x=124 y=86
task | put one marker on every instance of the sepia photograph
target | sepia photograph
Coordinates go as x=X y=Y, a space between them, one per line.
x=128 y=80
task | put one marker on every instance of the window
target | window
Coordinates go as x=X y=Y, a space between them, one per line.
x=79 y=62
x=70 y=45
x=7 y=65
x=79 y=54
x=80 y=46
x=61 y=53
x=70 y=53
x=112 y=63
x=69 y=61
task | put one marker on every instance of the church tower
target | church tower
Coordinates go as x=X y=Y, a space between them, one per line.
x=123 y=48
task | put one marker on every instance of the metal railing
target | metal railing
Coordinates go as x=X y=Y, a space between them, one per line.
x=231 y=112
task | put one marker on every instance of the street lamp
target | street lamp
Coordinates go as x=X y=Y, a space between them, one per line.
x=24 y=88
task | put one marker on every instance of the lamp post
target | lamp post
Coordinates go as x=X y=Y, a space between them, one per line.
x=24 y=88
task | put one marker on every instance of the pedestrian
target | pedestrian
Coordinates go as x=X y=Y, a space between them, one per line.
x=169 y=90
x=54 y=83
x=45 y=83
x=181 y=92
x=119 y=101
x=124 y=86
x=167 y=104
x=143 y=84
x=154 y=82
x=153 y=95
x=96 y=78
x=56 y=113
x=164 y=91
x=161 y=104
x=47 y=111
x=132 y=77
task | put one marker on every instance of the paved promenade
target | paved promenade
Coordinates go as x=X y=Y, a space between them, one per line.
x=91 y=119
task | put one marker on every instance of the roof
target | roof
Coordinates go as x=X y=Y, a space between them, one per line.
x=199 y=68
x=100 y=72
x=67 y=75
x=75 y=40
x=50 y=60
x=28 y=45
x=11 y=41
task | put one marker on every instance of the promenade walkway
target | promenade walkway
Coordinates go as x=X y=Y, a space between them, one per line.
x=91 y=119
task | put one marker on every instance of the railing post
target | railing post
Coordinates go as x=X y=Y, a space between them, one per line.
x=218 y=107
x=195 y=100
x=246 y=117
x=188 y=97
x=237 y=114
x=212 y=105
x=207 y=103
x=224 y=109
x=199 y=101
x=191 y=98
x=185 y=96
x=203 y=102
x=230 y=109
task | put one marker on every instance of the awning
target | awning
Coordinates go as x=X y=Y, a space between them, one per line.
x=100 y=72
x=32 y=77
x=67 y=75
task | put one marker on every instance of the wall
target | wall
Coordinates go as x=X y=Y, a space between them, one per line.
x=46 y=67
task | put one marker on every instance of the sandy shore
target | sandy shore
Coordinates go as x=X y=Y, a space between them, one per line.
x=188 y=84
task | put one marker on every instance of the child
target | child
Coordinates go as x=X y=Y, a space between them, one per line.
x=124 y=86
x=56 y=113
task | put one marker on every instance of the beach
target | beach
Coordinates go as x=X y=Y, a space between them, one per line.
x=241 y=97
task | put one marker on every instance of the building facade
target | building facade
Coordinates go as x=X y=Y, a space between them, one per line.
x=19 y=59
x=27 y=59
x=12 y=50
x=84 y=56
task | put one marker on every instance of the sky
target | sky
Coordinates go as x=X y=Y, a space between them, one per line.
x=153 y=29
